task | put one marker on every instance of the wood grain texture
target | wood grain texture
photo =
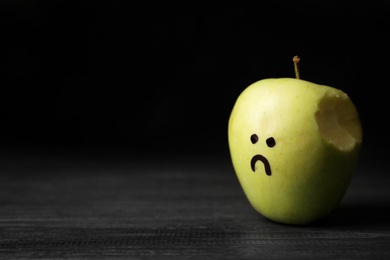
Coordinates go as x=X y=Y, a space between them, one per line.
x=121 y=206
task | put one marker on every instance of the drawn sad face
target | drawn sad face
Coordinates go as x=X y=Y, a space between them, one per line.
x=270 y=141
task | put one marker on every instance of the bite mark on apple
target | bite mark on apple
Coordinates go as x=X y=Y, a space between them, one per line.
x=258 y=157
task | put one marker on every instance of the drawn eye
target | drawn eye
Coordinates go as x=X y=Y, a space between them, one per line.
x=254 y=138
x=270 y=142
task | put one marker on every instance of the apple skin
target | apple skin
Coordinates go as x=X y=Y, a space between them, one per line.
x=308 y=135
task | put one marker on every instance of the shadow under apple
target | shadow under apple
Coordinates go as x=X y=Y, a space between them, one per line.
x=367 y=214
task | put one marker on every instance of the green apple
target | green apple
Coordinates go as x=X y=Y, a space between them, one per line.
x=294 y=146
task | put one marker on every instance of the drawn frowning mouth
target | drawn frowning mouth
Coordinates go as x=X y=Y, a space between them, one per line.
x=259 y=157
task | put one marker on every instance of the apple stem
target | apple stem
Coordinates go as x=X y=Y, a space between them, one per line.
x=296 y=59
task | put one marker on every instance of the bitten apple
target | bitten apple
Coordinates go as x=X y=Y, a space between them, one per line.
x=294 y=146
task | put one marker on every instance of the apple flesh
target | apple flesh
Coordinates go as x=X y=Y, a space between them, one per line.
x=294 y=146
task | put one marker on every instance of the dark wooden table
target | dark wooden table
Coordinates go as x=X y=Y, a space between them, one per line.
x=77 y=204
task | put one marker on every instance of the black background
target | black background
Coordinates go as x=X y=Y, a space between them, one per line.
x=164 y=76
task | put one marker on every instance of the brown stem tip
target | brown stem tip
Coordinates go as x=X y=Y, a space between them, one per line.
x=296 y=59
